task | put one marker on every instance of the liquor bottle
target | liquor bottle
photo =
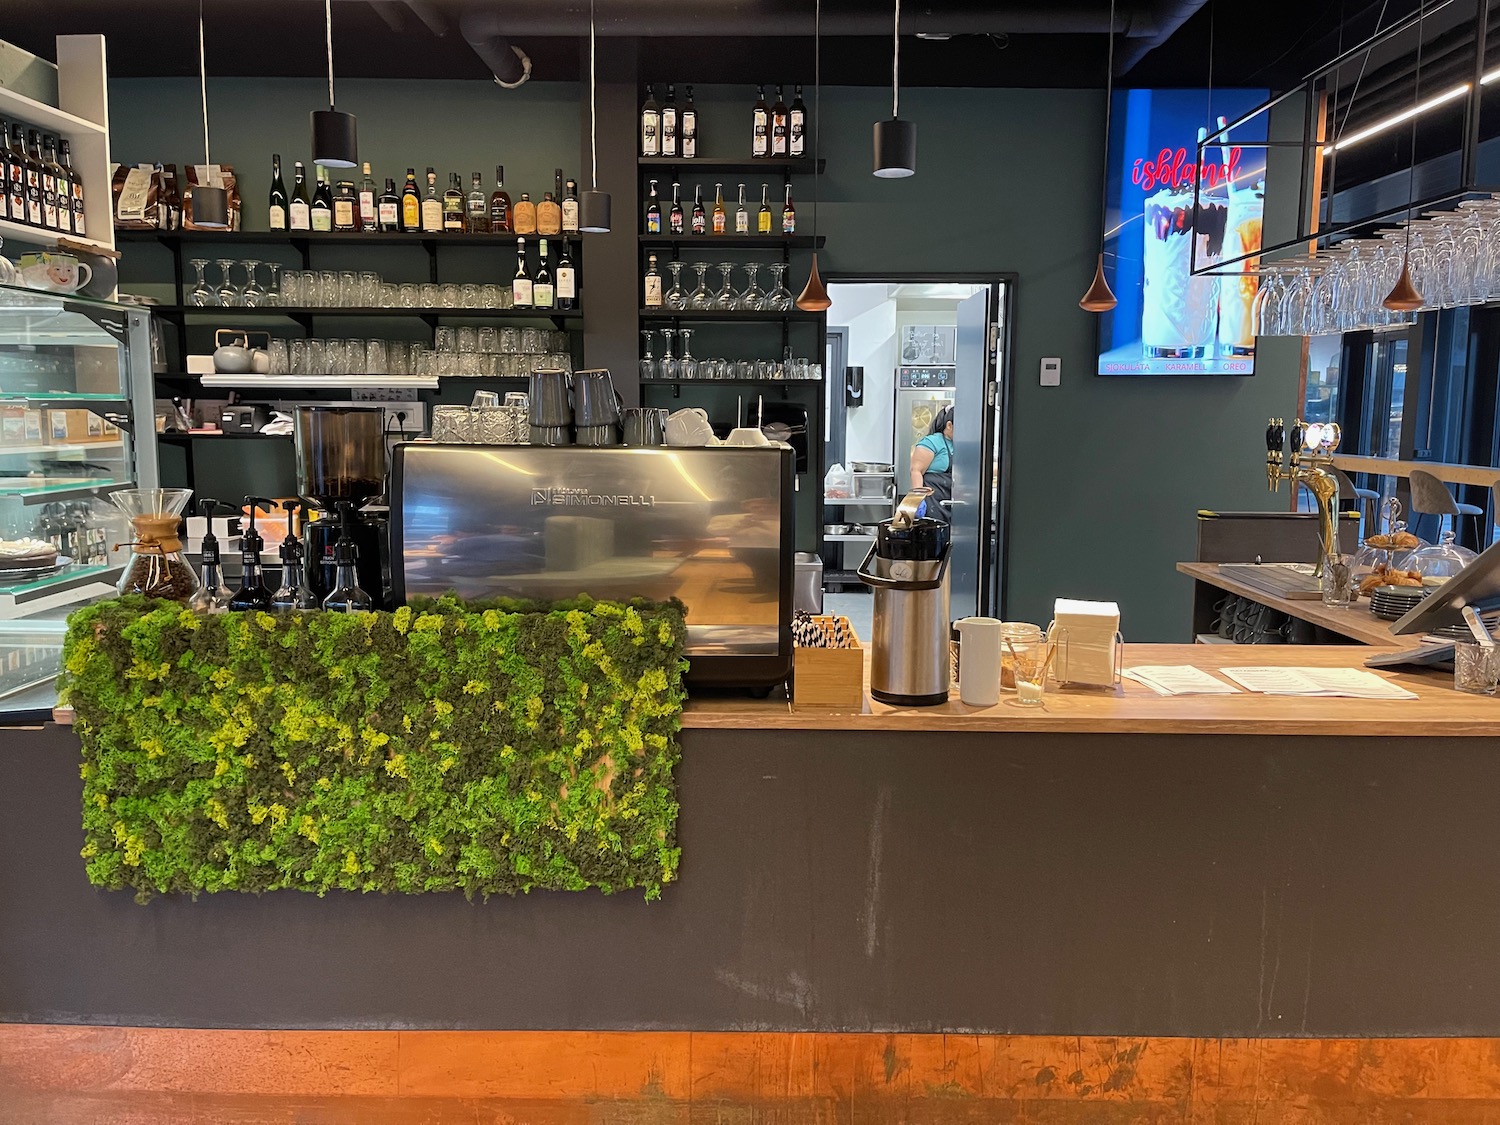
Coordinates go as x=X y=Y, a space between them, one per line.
x=520 y=287
x=453 y=206
x=34 y=179
x=367 y=216
x=650 y=124
x=797 y=126
x=500 y=218
x=720 y=215
x=779 y=124
x=543 y=295
x=411 y=203
x=55 y=210
x=299 y=215
x=5 y=172
x=523 y=215
x=277 y=204
x=388 y=209
x=479 y=207
x=322 y=203
x=688 y=128
x=432 y=206
x=567 y=280
x=788 y=214
x=570 y=208
x=675 y=216
x=653 y=285
x=75 y=190
x=699 y=220
x=763 y=218
x=345 y=207
x=741 y=215
x=760 y=137
x=549 y=215
x=653 y=211
x=669 y=122
x=14 y=178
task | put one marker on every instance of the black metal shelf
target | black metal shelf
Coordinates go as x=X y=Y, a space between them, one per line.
x=302 y=239
x=739 y=241
x=791 y=165
x=771 y=383
x=733 y=316
x=237 y=311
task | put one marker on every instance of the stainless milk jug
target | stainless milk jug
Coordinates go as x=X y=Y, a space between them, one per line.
x=908 y=570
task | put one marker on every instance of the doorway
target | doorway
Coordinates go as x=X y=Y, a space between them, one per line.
x=907 y=347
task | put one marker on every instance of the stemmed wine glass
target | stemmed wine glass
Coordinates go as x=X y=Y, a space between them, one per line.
x=726 y=299
x=701 y=298
x=252 y=296
x=687 y=366
x=753 y=299
x=273 y=293
x=779 y=299
x=675 y=297
x=201 y=295
x=668 y=364
x=648 y=361
x=229 y=292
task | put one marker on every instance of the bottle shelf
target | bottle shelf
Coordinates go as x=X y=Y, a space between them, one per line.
x=48 y=489
x=339 y=238
x=732 y=382
x=18 y=107
x=791 y=165
x=35 y=236
x=233 y=312
x=739 y=241
x=729 y=316
x=316 y=382
x=14 y=593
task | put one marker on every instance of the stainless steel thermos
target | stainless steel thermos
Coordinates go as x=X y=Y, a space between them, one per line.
x=908 y=570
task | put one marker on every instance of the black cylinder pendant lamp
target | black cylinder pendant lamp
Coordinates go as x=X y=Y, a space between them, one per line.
x=593 y=208
x=335 y=140
x=895 y=140
x=210 y=204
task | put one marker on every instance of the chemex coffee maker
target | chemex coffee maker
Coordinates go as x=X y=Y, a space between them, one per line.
x=341 y=460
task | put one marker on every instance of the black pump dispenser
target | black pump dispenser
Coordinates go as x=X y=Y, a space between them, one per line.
x=213 y=595
x=293 y=593
x=346 y=596
x=252 y=593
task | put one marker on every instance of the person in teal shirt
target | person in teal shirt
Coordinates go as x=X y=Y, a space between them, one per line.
x=932 y=465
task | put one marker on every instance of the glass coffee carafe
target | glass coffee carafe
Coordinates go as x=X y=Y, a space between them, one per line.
x=157 y=568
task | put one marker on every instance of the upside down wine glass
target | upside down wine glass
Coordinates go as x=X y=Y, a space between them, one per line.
x=779 y=299
x=701 y=298
x=675 y=298
x=726 y=299
x=648 y=361
x=229 y=293
x=202 y=295
x=668 y=364
x=687 y=366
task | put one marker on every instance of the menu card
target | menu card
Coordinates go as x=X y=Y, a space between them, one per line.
x=1179 y=679
x=1352 y=683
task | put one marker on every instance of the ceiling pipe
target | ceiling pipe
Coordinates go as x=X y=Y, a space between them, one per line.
x=487 y=31
x=1170 y=16
x=436 y=22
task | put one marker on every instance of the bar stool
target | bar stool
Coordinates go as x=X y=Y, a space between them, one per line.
x=1430 y=496
x=1367 y=500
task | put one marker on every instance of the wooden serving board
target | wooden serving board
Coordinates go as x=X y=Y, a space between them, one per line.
x=1273 y=578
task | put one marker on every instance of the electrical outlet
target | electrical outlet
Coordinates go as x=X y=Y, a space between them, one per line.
x=1051 y=371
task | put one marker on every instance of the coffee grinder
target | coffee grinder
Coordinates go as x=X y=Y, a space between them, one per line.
x=341 y=458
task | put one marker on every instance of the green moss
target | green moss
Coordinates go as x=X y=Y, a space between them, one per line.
x=488 y=748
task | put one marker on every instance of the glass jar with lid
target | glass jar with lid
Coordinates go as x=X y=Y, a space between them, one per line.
x=1439 y=563
x=1018 y=636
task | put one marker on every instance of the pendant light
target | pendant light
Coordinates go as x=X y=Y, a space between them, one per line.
x=335 y=143
x=814 y=296
x=1404 y=295
x=895 y=140
x=593 y=208
x=210 y=204
x=1100 y=298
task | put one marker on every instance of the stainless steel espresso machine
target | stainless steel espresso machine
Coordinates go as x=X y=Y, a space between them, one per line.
x=712 y=527
x=341 y=459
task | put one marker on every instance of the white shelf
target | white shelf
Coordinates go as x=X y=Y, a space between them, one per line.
x=32 y=236
x=68 y=447
x=316 y=382
x=14 y=106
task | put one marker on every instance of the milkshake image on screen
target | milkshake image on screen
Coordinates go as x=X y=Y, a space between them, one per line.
x=1180 y=311
x=1242 y=235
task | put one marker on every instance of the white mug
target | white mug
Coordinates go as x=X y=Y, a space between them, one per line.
x=56 y=273
x=979 y=648
x=689 y=427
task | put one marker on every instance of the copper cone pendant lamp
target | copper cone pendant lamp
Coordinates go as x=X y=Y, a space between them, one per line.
x=1405 y=296
x=814 y=296
x=1100 y=298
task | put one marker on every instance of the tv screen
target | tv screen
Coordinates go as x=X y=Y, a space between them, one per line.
x=1168 y=320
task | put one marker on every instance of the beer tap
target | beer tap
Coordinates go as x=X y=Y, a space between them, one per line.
x=1308 y=462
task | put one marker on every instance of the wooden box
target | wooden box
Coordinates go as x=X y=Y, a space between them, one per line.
x=830 y=677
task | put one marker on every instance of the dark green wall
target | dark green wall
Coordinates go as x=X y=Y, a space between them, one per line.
x=1105 y=473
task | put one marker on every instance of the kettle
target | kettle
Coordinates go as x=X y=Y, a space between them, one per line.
x=235 y=356
x=907 y=568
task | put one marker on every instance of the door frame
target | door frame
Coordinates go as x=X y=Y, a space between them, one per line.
x=994 y=554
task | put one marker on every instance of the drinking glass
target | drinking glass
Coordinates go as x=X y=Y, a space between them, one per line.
x=448 y=296
x=675 y=297
x=1476 y=668
x=445 y=339
x=469 y=296
x=273 y=294
x=369 y=290
x=1030 y=661
x=1338 y=587
x=202 y=295
x=348 y=289
x=687 y=366
x=701 y=298
x=510 y=341
x=390 y=295
x=432 y=296
x=328 y=288
x=300 y=357
x=376 y=362
x=669 y=369
x=252 y=296
x=753 y=299
x=531 y=341
x=229 y=293
x=490 y=296
x=489 y=340
x=779 y=299
x=280 y=362
x=396 y=359
x=468 y=339
x=409 y=295
x=317 y=359
x=726 y=299
x=648 y=361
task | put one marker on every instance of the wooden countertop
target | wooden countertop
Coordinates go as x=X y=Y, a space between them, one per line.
x=1135 y=709
x=1357 y=622
x=1482 y=475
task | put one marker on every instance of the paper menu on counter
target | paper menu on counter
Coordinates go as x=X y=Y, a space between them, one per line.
x=1178 y=679
x=1353 y=683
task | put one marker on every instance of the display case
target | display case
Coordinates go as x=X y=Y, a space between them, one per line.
x=76 y=423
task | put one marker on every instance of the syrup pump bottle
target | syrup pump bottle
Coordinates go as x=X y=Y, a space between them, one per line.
x=213 y=595
x=346 y=596
x=252 y=593
x=293 y=592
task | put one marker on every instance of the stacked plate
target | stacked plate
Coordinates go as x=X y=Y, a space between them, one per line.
x=1390 y=602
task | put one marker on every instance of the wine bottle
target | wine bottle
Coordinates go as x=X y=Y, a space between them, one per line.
x=688 y=128
x=653 y=297
x=788 y=214
x=699 y=220
x=276 y=207
x=367 y=217
x=797 y=126
x=322 y=203
x=345 y=207
x=763 y=218
x=75 y=191
x=299 y=215
x=675 y=217
x=453 y=206
x=411 y=203
x=500 y=220
x=779 y=124
x=524 y=215
x=479 y=207
x=650 y=124
x=388 y=209
x=570 y=208
x=543 y=295
x=432 y=206
x=760 y=137
x=653 y=211
x=741 y=215
x=567 y=280
x=720 y=215
x=520 y=286
x=669 y=122
x=15 y=175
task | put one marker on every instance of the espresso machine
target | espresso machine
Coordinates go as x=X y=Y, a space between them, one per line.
x=341 y=459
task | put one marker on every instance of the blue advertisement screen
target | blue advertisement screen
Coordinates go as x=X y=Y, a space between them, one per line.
x=1168 y=321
